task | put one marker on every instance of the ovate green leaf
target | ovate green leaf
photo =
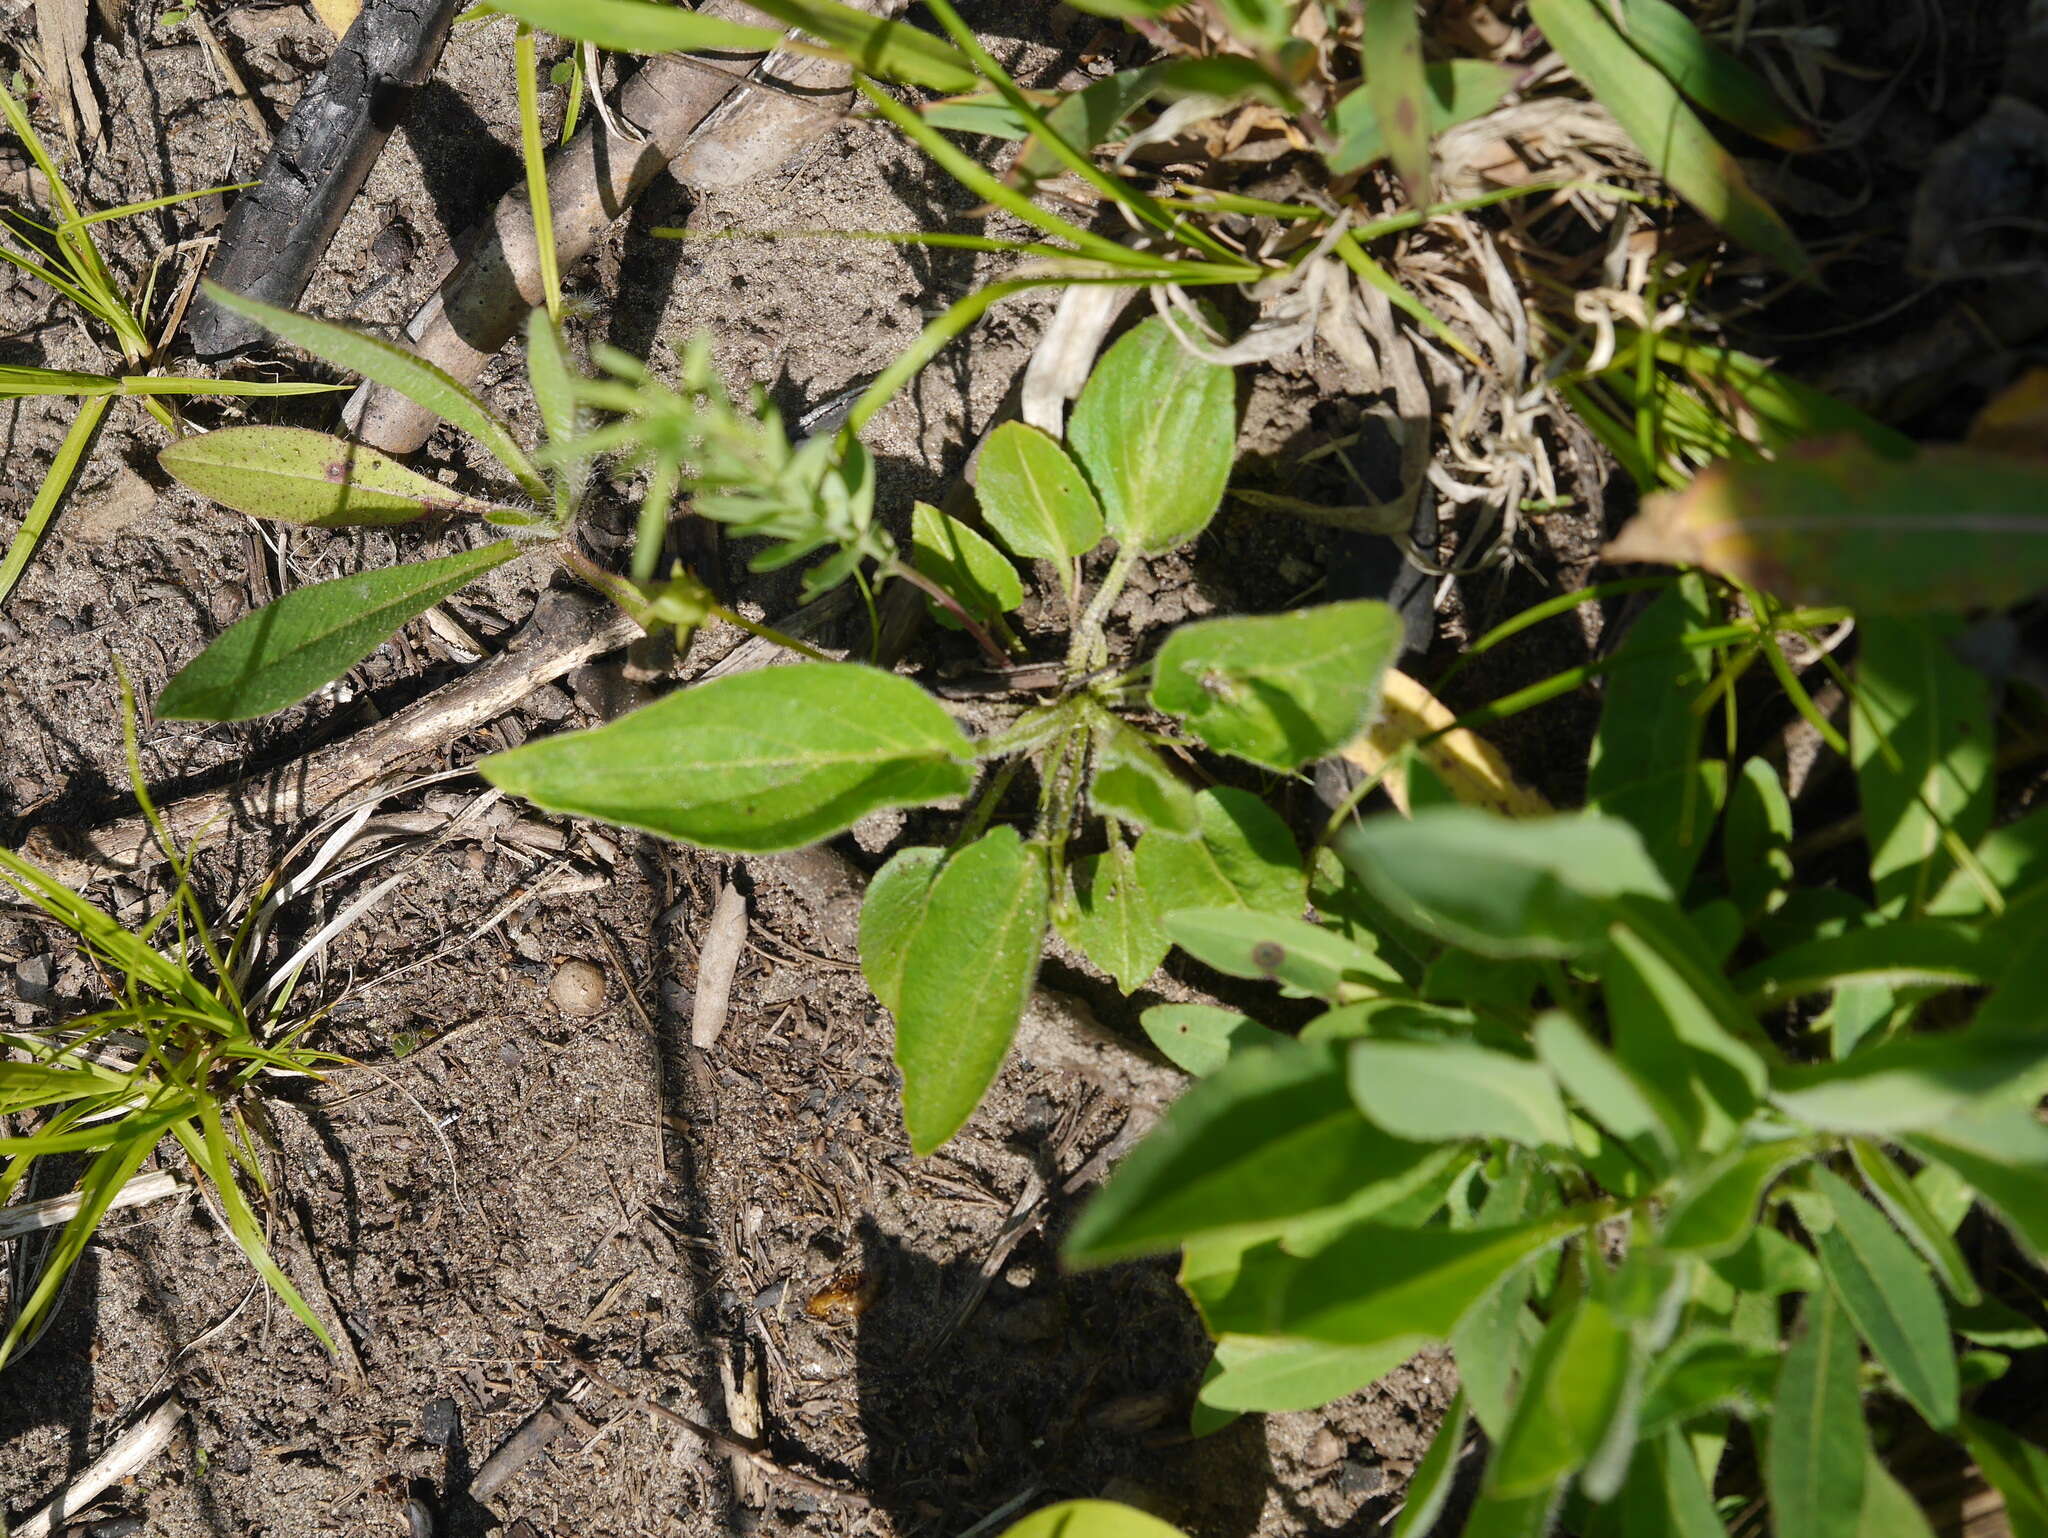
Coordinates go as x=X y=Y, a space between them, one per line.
x=1631 y=1110
x=1156 y=430
x=311 y=636
x=1034 y=497
x=1454 y=1089
x=1304 y=957
x=1114 y=920
x=1131 y=782
x=755 y=762
x=890 y=914
x=1716 y=1206
x=966 y=565
x=1201 y=1038
x=966 y=976
x=1244 y=857
x=1261 y=1374
x=1278 y=689
x=1087 y=1519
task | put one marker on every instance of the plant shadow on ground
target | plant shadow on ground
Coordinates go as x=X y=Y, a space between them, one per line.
x=1052 y=1385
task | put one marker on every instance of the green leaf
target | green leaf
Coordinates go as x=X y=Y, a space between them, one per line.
x=1156 y=430
x=2003 y=1153
x=1429 y=1090
x=1885 y=1290
x=1645 y=764
x=552 y=378
x=1715 y=79
x=1708 y=1372
x=1573 y=1397
x=396 y=368
x=1631 y=1110
x=1908 y=1081
x=966 y=976
x=1716 y=1207
x=295 y=475
x=1902 y=1200
x=1268 y=1376
x=1390 y=39
x=636 y=26
x=1665 y=1495
x=2016 y=1469
x=1889 y=1510
x=1456 y=91
x=311 y=636
x=1911 y=953
x=755 y=762
x=1678 y=1025
x=1756 y=837
x=1922 y=743
x=1200 y=1038
x=1377 y=1284
x=1270 y=1136
x=1769 y=1263
x=1989 y=1322
x=964 y=564
x=1814 y=1465
x=1429 y=1489
x=1035 y=498
x=890 y=914
x=1131 y=782
x=1832 y=521
x=1244 y=858
x=1114 y=921
x=1540 y=886
x=1278 y=689
x=1086 y=1519
x=1664 y=128
x=1305 y=958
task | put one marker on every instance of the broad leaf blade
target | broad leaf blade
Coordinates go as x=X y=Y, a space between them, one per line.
x=1282 y=689
x=753 y=763
x=966 y=977
x=1428 y=1090
x=1035 y=498
x=1201 y=1038
x=1133 y=784
x=1243 y=857
x=1575 y=1389
x=1715 y=1208
x=1156 y=430
x=295 y=475
x=890 y=913
x=1087 y=1519
x=1305 y=958
x=311 y=636
x=965 y=564
x=1115 y=921
x=1270 y=1136
x=1886 y=1292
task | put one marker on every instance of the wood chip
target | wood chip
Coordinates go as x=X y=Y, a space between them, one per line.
x=718 y=957
x=27 y=1217
x=60 y=33
x=130 y=1455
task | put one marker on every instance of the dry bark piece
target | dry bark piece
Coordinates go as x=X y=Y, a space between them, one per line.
x=718 y=958
x=60 y=34
x=278 y=230
x=518 y=1450
x=130 y=1455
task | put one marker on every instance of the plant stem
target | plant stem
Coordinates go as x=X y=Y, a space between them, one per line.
x=1087 y=652
x=951 y=605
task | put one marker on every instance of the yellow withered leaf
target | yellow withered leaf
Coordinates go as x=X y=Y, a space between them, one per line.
x=339 y=15
x=1470 y=767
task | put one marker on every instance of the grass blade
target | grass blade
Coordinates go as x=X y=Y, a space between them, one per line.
x=1397 y=89
x=56 y=481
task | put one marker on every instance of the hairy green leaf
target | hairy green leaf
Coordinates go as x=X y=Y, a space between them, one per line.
x=755 y=762
x=1270 y=1136
x=1260 y=1374
x=1114 y=920
x=1304 y=957
x=1814 y=1466
x=1244 y=858
x=1429 y=1090
x=295 y=475
x=1902 y=1200
x=1630 y=1109
x=1909 y=1081
x=967 y=972
x=1913 y=953
x=1156 y=430
x=2016 y=1469
x=1716 y=1207
x=1533 y=887
x=1035 y=498
x=1665 y=1495
x=890 y=913
x=2003 y=1153
x=311 y=636
x=1575 y=1391
x=1278 y=689
x=1201 y=1038
x=1131 y=782
x=1886 y=1292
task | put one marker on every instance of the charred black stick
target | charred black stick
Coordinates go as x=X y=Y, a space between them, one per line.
x=278 y=230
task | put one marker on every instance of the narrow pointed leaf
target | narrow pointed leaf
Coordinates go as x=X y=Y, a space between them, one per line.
x=1715 y=1209
x=1574 y=1390
x=295 y=475
x=1814 y=1467
x=1715 y=79
x=1390 y=41
x=311 y=636
x=1886 y=1292
x=1456 y=91
x=2003 y=1153
x=1902 y=1200
x=1429 y=1489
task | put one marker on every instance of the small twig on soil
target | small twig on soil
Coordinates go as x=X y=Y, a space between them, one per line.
x=28 y=1217
x=230 y=76
x=718 y=958
x=518 y=1450
x=731 y=1446
x=130 y=1455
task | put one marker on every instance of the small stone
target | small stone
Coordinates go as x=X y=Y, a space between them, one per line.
x=1360 y=1478
x=33 y=979
x=440 y=1422
x=577 y=988
x=1324 y=1448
